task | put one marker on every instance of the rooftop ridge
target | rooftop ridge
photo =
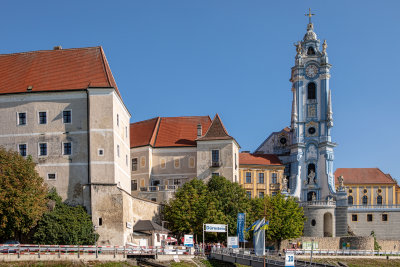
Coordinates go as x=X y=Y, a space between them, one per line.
x=50 y=50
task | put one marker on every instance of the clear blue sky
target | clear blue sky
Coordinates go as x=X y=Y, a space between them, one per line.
x=187 y=57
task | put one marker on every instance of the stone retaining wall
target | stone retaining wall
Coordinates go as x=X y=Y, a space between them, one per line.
x=356 y=242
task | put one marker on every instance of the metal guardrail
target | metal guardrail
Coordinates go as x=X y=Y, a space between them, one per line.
x=376 y=206
x=28 y=249
x=346 y=252
x=272 y=258
x=318 y=203
x=159 y=188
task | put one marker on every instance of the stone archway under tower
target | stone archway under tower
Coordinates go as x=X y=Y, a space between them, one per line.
x=328 y=225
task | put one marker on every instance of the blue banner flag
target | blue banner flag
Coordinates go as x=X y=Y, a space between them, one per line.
x=240 y=226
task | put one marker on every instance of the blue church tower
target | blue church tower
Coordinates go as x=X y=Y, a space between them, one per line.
x=312 y=147
x=306 y=148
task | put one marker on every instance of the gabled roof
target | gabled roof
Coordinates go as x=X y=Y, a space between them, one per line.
x=143 y=132
x=148 y=226
x=168 y=131
x=258 y=159
x=363 y=176
x=216 y=131
x=55 y=70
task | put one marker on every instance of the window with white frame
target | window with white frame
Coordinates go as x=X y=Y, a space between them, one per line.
x=261 y=178
x=51 y=176
x=100 y=152
x=118 y=150
x=22 y=149
x=117 y=119
x=248 y=177
x=134 y=185
x=67 y=116
x=215 y=156
x=126 y=160
x=274 y=178
x=21 y=118
x=67 y=148
x=134 y=164
x=42 y=117
x=42 y=149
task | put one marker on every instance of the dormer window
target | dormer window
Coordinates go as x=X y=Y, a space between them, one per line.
x=310 y=51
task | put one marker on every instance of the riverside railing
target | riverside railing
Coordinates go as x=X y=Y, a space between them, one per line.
x=318 y=203
x=272 y=258
x=28 y=249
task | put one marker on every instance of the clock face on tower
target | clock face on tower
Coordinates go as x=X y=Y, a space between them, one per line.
x=311 y=71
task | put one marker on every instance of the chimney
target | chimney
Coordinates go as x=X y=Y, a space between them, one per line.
x=58 y=47
x=199 y=130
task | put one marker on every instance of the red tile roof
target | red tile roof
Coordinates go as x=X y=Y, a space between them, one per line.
x=168 y=131
x=142 y=133
x=55 y=70
x=216 y=131
x=363 y=176
x=258 y=159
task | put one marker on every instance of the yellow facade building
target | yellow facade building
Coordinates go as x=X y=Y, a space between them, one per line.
x=260 y=174
x=368 y=186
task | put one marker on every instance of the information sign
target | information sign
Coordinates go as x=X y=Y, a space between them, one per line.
x=233 y=242
x=289 y=259
x=188 y=241
x=220 y=228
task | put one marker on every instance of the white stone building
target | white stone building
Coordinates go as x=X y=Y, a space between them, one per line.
x=63 y=108
x=166 y=152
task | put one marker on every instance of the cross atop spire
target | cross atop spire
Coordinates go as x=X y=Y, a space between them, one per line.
x=309 y=15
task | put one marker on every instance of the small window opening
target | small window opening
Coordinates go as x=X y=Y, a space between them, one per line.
x=311 y=88
x=310 y=51
x=100 y=221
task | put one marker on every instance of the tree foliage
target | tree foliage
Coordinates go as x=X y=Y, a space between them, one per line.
x=230 y=198
x=220 y=201
x=285 y=216
x=22 y=195
x=197 y=203
x=65 y=225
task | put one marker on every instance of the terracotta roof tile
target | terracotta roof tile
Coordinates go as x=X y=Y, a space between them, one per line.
x=142 y=133
x=168 y=131
x=258 y=159
x=363 y=176
x=55 y=70
x=216 y=131
x=180 y=131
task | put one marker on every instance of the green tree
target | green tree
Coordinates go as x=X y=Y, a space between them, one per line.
x=285 y=216
x=196 y=203
x=230 y=198
x=64 y=225
x=22 y=195
x=186 y=212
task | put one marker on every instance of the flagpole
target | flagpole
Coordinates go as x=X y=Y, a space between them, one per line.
x=265 y=214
